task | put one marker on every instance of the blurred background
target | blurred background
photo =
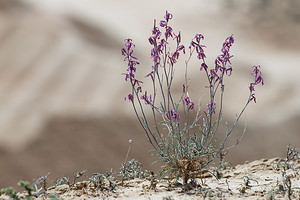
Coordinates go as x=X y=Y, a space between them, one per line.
x=62 y=105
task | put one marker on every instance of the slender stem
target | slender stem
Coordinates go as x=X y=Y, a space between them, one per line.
x=127 y=153
x=144 y=116
x=134 y=108
x=161 y=89
x=216 y=153
x=153 y=107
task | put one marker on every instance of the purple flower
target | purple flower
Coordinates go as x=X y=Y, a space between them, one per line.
x=178 y=38
x=151 y=75
x=224 y=58
x=257 y=79
x=251 y=87
x=199 y=48
x=252 y=97
x=218 y=62
x=257 y=74
x=196 y=40
x=187 y=100
x=191 y=107
x=152 y=40
x=227 y=44
x=158 y=46
x=199 y=37
x=203 y=66
x=228 y=70
x=168 y=16
x=155 y=56
x=146 y=98
x=256 y=70
x=156 y=32
x=168 y=32
x=171 y=114
x=127 y=52
x=128 y=43
x=201 y=54
x=130 y=97
x=128 y=75
x=189 y=103
x=174 y=56
x=212 y=74
x=181 y=48
x=211 y=107
x=163 y=23
x=137 y=82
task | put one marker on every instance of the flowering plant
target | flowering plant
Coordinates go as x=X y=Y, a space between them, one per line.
x=186 y=146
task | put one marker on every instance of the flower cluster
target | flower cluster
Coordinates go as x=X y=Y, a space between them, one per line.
x=222 y=60
x=164 y=23
x=199 y=47
x=175 y=55
x=257 y=79
x=146 y=98
x=159 y=44
x=189 y=103
x=130 y=97
x=211 y=107
x=132 y=62
x=172 y=114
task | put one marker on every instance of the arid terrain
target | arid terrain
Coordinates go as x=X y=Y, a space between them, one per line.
x=62 y=93
x=261 y=179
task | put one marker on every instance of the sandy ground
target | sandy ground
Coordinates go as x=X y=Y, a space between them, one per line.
x=261 y=179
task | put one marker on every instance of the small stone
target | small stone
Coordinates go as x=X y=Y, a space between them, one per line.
x=62 y=188
x=81 y=185
x=269 y=196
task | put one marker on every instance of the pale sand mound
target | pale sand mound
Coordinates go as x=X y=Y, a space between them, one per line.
x=261 y=179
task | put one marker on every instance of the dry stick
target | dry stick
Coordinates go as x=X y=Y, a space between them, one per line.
x=130 y=142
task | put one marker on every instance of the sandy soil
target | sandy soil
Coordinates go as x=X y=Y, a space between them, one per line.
x=261 y=179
